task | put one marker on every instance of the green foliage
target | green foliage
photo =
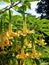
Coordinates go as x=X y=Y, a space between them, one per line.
x=28 y=61
x=9 y=53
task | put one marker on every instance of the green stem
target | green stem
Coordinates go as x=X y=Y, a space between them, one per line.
x=1 y=25
x=9 y=16
x=24 y=19
x=34 y=46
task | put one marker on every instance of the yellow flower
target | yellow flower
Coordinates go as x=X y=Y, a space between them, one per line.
x=11 y=33
x=26 y=42
x=40 y=42
x=30 y=31
x=14 y=34
x=35 y=54
x=10 y=29
x=30 y=45
x=4 y=40
x=24 y=28
x=22 y=55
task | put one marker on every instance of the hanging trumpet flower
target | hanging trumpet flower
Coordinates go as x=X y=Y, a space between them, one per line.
x=17 y=34
x=11 y=33
x=35 y=54
x=25 y=30
x=4 y=41
x=22 y=55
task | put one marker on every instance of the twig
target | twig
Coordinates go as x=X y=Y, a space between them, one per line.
x=10 y=7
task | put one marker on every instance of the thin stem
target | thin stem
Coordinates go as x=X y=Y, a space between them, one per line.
x=10 y=7
x=0 y=25
x=9 y=16
x=24 y=17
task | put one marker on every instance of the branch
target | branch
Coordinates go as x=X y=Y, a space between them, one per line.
x=11 y=7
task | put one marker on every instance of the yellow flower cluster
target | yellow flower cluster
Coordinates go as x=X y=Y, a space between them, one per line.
x=4 y=38
x=23 y=55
